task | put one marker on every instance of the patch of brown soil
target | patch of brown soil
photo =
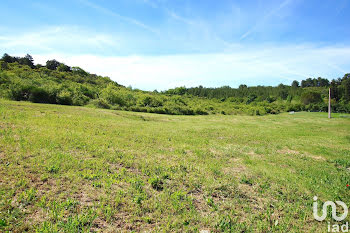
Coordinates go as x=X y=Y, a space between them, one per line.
x=235 y=167
x=234 y=170
x=316 y=157
x=214 y=151
x=249 y=191
x=254 y=155
x=7 y=126
x=288 y=151
x=83 y=197
x=294 y=152
x=37 y=217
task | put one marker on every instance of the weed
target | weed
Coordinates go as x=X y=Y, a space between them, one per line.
x=247 y=180
x=156 y=183
x=27 y=196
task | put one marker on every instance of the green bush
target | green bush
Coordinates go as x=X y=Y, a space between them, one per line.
x=100 y=103
x=156 y=183
x=3 y=65
x=150 y=101
x=112 y=96
x=311 y=97
x=39 y=95
x=64 y=97
x=80 y=100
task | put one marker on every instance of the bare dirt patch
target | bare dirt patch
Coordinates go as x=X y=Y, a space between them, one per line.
x=235 y=167
x=316 y=157
x=288 y=151
x=7 y=126
x=254 y=155
x=36 y=217
x=236 y=170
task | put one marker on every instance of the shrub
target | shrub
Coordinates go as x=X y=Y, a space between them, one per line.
x=112 y=96
x=199 y=111
x=100 y=103
x=271 y=99
x=20 y=92
x=311 y=97
x=39 y=95
x=150 y=101
x=159 y=110
x=251 y=98
x=129 y=99
x=3 y=65
x=156 y=183
x=293 y=107
x=274 y=111
x=343 y=108
x=64 y=97
x=80 y=100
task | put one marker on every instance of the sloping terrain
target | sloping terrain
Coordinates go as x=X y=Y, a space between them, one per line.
x=70 y=169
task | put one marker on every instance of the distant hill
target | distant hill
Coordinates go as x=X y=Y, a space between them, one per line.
x=58 y=83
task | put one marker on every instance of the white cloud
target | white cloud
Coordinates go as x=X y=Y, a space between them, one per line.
x=262 y=20
x=121 y=17
x=235 y=64
x=264 y=66
x=59 y=38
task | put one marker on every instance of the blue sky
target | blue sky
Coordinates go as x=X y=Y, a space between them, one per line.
x=160 y=44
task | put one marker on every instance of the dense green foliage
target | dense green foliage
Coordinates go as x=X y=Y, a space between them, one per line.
x=312 y=95
x=57 y=83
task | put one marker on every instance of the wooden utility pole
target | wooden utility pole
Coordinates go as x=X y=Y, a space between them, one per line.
x=329 y=103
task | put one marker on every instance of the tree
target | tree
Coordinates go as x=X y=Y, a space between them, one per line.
x=346 y=86
x=38 y=66
x=30 y=58
x=334 y=90
x=281 y=85
x=180 y=90
x=27 y=60
x=79 y=71
x=7 y=58
x=251 y=98
x=322 y=82
x=3 y=65
x=283 y=93
x=311 y=97
x=295 y=84
x=307 y=83
x=52 y=64
x=64 y=68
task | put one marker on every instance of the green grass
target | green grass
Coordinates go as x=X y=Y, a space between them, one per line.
x=76 y=169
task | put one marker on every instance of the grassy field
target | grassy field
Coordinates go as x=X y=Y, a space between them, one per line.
x=74 y=169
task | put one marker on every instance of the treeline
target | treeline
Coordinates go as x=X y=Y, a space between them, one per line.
x=340 y=87
x=50 y=64
x=311 y=93
x=58 y=83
